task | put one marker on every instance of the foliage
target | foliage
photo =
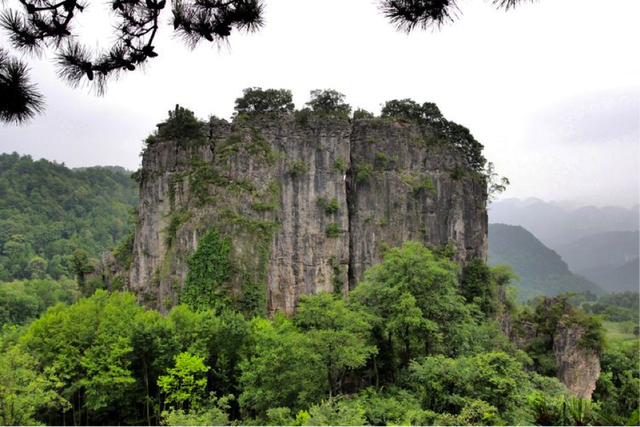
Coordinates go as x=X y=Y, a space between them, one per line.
x=256 y=100
x=182 y=126
x=329 y=103
x=408 y=15
x=618 y=385
x=185 y=382
x=417 y=184
x=495 y=184
x=332 y=207
x=38 y=26
x=340 y=165
x=360 y=114
x=413 y=296
x=409 y=110
x=20 y=98
x=209 y=272
x=22 y=388
x=215 y=412
x=545 y=319
x=617 y=307
x=333 y=230
x=441 y=130
x=43 y=221
x=493 y=378
x=22 y=301
x=479 y=287
x=81 y=266
x=284 y=370
x=297 y=167
x=338 y=335
x=364 y=171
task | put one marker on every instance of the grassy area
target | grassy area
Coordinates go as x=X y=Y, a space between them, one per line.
x=620 y=331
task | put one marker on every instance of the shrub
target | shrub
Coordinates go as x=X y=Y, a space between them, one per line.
x=297 y=167
x=362 y=114
x=363 y=172
x=333 y=230
x=333 y=206
x=339 y=165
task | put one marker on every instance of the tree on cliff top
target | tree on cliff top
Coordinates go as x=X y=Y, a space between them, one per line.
x=48 y=24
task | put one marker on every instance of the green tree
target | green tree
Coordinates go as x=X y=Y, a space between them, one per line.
x=23 y=390
x=81 y=267
x=284 y=370
x=329 y=103
x=414 y=295
x=264 y=101
x=445 y=385
x=181 y=126
x=338 y=335
x=186 y=382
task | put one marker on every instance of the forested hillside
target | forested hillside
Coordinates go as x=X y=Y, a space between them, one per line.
x=411 y=345
x=540 y=269
x=48 y=211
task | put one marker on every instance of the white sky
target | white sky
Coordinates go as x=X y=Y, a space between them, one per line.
x=552 y=88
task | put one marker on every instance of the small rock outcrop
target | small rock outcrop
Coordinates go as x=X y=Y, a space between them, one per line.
x=578 y=367
x=572 y=339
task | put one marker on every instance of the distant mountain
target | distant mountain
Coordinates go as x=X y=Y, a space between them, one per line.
x=616 y=279
x=611 y=249
x=541 y=270
x=558 y=223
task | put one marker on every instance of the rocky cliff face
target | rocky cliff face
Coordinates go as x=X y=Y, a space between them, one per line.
x=307 y=206
x=559 y=330
x=578 y=367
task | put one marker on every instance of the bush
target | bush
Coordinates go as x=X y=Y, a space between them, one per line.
x=332 y=207
x=333 y=230
x=297 y=167
x=362 y=114
x=363 y=172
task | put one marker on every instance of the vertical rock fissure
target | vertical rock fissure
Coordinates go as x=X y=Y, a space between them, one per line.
x=351 y=210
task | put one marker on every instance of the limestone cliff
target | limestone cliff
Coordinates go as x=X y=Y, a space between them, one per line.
x=562 y=341
x=308 y=206
x=578 y=367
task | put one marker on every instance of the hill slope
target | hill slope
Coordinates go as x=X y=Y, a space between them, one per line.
x=611 y=249
x=541 y=270
x=48 y=210
x=616 y=279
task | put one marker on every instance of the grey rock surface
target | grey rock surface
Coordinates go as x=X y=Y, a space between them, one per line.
x=267 y=183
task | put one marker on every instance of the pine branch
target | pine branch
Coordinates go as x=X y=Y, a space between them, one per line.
x=407 y=15
x=19 y=99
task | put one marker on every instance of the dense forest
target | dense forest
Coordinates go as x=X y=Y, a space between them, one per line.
x=48 y=212
x=411 y=345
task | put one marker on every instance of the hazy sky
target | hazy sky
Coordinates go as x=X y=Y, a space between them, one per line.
x=552 y=88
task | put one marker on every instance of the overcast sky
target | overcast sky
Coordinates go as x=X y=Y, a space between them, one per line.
x=551 y=88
